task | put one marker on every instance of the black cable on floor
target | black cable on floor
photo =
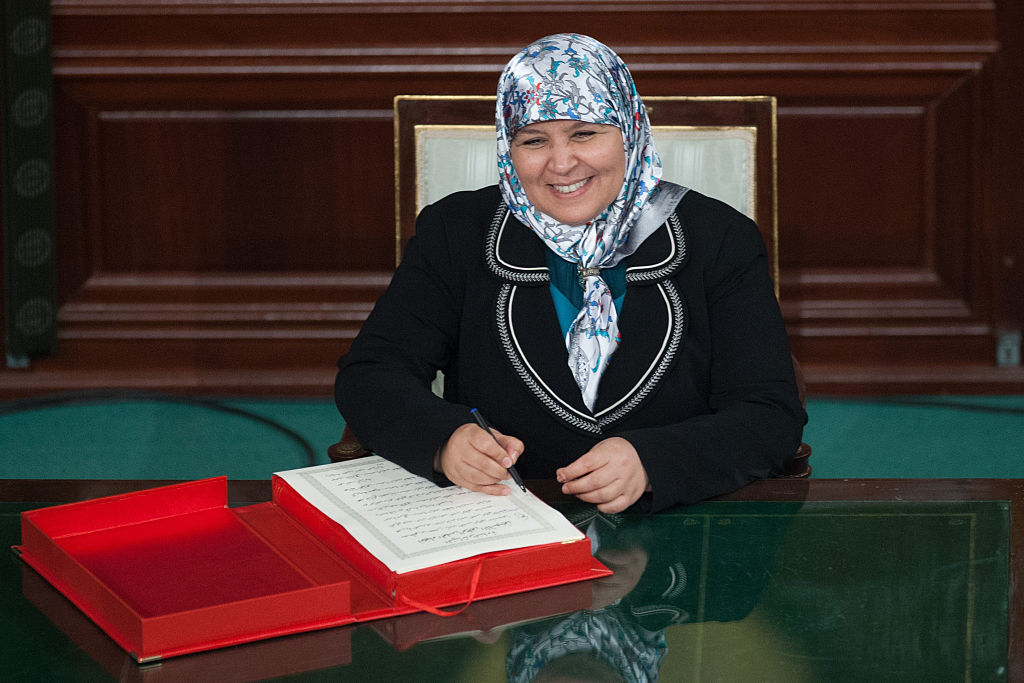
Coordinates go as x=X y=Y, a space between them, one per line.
x=951 y=405
x=91 y=397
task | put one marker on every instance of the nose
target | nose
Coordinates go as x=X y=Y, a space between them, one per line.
x=563 y=158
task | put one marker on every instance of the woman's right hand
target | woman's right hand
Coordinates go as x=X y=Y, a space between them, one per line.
x=473 y=460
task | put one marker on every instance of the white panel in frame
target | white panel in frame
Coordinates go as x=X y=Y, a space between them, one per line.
x=719 y=161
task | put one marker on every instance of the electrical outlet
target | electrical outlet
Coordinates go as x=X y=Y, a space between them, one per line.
x=1008 y=348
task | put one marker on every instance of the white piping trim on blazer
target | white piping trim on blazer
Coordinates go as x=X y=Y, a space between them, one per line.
x=666 y=354
x=662 y=269
x=501 y=267
x=537 y=388
x=644 y=273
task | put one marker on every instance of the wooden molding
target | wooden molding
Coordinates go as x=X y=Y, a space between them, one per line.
x=225 y=176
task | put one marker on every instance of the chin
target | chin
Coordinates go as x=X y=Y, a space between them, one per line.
x=574 y=218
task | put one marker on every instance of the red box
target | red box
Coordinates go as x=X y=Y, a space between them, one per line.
x=256 y=661
x=174 y=570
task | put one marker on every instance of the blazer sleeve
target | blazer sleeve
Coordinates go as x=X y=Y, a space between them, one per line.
x=755 y=419
x=382 y=388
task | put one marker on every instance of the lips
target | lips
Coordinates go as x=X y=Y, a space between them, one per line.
x=566 y=189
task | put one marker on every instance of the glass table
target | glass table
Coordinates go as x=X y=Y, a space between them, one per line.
x=789 y=580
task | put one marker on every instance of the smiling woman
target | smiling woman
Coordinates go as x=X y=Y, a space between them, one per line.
x=620 y=332
x=570 y=170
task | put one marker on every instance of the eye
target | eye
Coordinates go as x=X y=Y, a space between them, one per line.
x=529 y=141
x=584 y=134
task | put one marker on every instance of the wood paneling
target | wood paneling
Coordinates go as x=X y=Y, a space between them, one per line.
x=225 y=174
x=257 y=183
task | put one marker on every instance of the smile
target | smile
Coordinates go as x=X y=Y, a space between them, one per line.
x=566 y=189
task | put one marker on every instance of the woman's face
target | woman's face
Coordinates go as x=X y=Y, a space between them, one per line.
x=570 y=170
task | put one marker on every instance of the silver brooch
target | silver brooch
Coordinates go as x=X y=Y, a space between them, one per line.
x=584 y=273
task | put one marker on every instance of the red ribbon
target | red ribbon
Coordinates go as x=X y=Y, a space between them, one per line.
x=440 y=612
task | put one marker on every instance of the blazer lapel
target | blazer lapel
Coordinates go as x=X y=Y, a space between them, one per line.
x=645 y=327
x=527 y=322
x=538 y=342
x=651 y=326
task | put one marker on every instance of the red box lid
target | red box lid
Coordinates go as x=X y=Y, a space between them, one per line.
x=173 y=570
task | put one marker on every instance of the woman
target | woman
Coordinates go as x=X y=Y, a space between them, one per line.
x=620 y=332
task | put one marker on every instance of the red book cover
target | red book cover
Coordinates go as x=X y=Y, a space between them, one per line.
x=174 y=570
x=474 y=578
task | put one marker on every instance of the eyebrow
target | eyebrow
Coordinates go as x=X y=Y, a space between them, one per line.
x=523 y=132
x=576 y=125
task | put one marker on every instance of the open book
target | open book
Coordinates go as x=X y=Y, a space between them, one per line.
x=175 y=569
x=410 y=523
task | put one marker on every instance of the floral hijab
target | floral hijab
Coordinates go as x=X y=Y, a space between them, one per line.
x=571 y=76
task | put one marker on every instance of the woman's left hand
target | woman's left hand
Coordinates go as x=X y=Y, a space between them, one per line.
x=610 y=475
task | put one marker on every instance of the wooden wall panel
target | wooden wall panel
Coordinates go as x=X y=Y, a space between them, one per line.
x=884 y=221
x=225 y=174
x=259 y=187
x=870 y=203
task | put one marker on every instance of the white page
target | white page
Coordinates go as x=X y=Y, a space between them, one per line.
x=409 y=523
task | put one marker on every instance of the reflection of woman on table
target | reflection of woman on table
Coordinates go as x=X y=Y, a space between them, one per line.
x=604 y=643
x=669 y=571
x=619 y=332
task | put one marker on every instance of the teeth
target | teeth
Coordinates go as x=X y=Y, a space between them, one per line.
x=566 y=189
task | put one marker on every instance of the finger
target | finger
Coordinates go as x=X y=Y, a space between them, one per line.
x=468 y=476
x=490 y=489
x=618 y=504
x=590 y=484
x=615 y=497
x=490 y=445
x=465 y=464
x=595 y=494
x=478 y=470
x=511 y=448
x=578 y=487
x=487 y=456
x=580 y=467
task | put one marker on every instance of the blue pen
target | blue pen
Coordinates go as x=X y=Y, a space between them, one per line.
x=487 y=428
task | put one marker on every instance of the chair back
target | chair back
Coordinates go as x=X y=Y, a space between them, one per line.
x=723 y=147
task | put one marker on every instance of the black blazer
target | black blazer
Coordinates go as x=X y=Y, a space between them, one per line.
x=702 y=384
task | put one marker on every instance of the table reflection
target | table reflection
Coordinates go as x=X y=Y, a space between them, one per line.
x=664 y=576
x=725 y=590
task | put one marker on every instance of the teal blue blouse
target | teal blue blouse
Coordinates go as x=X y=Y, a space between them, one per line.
x=567 y=293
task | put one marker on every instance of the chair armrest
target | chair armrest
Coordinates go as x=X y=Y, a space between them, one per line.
x=347 y=448
x=798 y=466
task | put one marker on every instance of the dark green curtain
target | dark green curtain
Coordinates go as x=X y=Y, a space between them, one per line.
x=28 y=199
